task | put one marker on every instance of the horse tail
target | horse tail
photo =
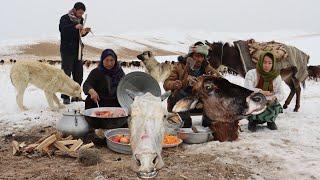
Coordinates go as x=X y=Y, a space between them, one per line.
x=294 y=71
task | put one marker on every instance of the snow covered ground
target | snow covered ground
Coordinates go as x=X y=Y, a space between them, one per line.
x=292 y=152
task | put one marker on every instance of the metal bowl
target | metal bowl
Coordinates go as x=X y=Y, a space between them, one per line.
x=190 y=137
x=118 y=147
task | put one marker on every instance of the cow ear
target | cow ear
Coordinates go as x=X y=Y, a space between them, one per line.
x=165 y=95
x=208 y=44
x=185 y=104
x=174 y=119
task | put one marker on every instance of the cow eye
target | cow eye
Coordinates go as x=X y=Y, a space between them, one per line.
x=209 y=87
x=155 y=160
x=138 y=162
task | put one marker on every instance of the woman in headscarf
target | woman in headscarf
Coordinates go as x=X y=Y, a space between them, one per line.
x=102 y=82
x=266 y=80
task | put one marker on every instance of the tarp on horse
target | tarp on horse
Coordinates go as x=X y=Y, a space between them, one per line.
x=286 y=56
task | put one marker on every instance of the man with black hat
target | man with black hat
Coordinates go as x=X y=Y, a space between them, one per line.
x=71 y=27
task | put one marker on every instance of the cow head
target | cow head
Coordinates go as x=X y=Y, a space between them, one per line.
x=149 y=119
x=222 y=100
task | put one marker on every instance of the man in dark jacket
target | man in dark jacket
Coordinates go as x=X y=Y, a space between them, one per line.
x=71 y=27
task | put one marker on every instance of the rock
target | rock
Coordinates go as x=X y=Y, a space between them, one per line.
x=89 y=157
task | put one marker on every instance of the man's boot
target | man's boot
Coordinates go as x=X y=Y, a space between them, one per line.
x=252 y=126
x=66 y=101
x=272 y=125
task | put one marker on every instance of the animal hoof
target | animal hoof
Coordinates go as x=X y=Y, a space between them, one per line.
x=285 y=106
x=295 y=109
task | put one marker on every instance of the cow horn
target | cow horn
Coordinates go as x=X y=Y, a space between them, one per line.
x=185 y=104
x=165 y=95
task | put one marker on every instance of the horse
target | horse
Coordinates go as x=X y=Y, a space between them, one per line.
x=229 y=55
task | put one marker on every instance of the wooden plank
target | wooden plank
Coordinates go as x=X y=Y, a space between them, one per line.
x=46 y=150
x=43 y=138
x=67 y=138
x=61 y=146
x=15 y=147
x=68 y=142
x=30 y=148
x=76 y=145
x=23 y=144
x=86 y=146
x=47 y=142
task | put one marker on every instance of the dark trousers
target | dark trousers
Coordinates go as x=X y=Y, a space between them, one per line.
x=186 y=116
x=72 y=66
x=104 y=102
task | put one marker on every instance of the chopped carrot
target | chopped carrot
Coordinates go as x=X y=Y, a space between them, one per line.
x=170 y=139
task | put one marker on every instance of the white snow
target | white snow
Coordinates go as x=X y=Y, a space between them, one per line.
x=292 y=152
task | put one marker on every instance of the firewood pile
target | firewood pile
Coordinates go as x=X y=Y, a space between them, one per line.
x=53 y=144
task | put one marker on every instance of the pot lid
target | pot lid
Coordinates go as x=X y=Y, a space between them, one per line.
x=135 y=84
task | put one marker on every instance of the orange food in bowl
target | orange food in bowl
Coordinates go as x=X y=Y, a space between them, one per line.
x=121 y=138
x=125 y=140
x=170 y=139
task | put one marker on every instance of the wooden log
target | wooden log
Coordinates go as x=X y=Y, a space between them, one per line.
x=86 y=146
x=30 y=148
x=23 y=144
x=61 y=146
x=43 y=138
x=76 y=145
x=67 y=138
x=47 y=142
x=68 y=142
x=47 y=151
x=15 y=147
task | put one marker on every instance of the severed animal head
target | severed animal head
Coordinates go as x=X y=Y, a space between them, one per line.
x=149 y=119
x=222 y=100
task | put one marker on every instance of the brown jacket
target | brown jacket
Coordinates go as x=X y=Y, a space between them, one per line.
x=180 y=72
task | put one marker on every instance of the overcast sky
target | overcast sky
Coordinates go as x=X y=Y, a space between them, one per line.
x=40 y=18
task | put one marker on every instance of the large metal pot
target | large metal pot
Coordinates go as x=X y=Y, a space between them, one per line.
x=105 y=123
x=73 y=123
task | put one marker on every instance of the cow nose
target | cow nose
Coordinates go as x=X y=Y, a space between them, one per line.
x=258 y=98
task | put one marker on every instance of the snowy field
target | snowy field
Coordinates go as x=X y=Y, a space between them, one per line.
x=292 y=152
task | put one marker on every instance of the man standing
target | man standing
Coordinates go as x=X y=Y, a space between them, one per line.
x=71 y=27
